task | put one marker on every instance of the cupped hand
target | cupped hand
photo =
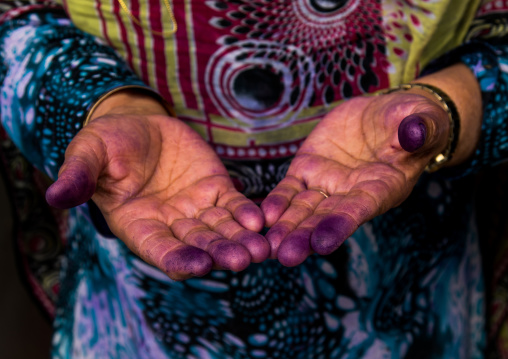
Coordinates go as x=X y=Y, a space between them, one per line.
x=362 y=159
x=164 y=192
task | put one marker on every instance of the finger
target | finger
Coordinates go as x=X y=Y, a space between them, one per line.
x=246 y=212
x=226 y=254
x=77 y=180
x=278 y=200
x=75 y=185
x=354 y=209
x=302 y=206
x=295 y=248
x=154 y=242
x=221 y=221
x=229 y=255
x=331 y=232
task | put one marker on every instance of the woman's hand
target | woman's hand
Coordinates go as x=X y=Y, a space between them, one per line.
x=363 y=159
x=162 y=190
x=354 y=156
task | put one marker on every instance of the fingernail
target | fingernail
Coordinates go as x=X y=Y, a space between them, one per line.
x=412 y=133
x=331 y=232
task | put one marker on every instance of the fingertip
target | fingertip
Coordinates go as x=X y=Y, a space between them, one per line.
x=229 y=255
x=412 y=133
x=275 y=236
x=250 y=216
x=331 y=232
x=70 y=190
x=186 y=262
x=52 y=196
x=256 y=244
x=273 y=207
x=295 y=248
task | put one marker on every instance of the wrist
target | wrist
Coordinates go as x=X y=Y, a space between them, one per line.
x=129 y=100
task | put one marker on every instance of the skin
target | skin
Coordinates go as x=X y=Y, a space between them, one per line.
x=363 y=178
x=161 y=189
x=165 y=193
x=367 y=155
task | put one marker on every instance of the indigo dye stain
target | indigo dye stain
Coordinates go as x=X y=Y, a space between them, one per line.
x=72 y=189
x=187 y=261
x=295 y=248
x=229 y=255
x=331 y=232
x=412 y=133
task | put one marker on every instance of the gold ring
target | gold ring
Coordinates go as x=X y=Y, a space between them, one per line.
x=324 y=194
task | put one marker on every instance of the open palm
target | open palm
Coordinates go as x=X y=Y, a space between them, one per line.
x=164 y=192
x=354 y=156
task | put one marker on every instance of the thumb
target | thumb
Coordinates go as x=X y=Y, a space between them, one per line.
x=421 y=132
x=78 y=175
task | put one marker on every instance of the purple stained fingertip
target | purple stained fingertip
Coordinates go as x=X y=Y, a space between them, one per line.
x=273 y=206
x=70 y=191
x=331 y=232
x=250 y=216
x=295 y=248
x=256 y=244
x=412 y=133
x=229 y=255
x=187 y=261
x=275 y=236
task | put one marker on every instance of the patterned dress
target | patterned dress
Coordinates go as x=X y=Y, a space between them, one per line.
x=253 y=78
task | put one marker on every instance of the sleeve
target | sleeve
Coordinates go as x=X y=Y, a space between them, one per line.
x=485 y=52
x=51 y=74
